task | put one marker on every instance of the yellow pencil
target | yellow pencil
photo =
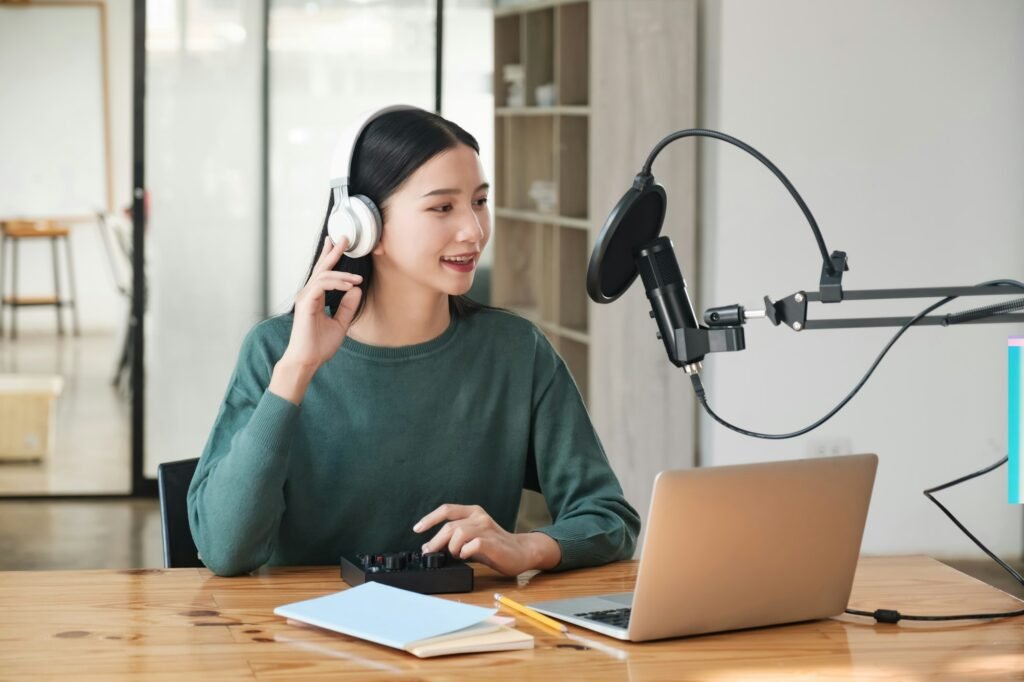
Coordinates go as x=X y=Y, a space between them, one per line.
x=527 y=611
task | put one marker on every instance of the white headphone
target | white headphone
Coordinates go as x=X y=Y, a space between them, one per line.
x=354 y=217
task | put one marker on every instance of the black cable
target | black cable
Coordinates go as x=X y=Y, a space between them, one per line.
x=894 y=616
x=698 y=385
x=929 y=494
x=703 y=132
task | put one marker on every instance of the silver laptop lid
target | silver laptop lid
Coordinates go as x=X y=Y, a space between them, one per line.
x=750 y=545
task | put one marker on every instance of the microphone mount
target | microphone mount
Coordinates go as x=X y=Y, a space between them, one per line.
x=791 y=311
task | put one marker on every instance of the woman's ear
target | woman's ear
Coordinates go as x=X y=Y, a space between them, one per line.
x=378 y=250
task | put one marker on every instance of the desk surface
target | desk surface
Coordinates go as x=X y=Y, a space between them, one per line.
x=188 y=624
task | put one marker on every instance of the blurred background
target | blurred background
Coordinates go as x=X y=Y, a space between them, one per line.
x=162 y=186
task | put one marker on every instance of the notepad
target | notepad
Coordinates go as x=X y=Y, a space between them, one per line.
x=424 y=626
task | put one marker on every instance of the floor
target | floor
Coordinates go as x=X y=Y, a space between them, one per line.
x=53 y=535
x=91 y=453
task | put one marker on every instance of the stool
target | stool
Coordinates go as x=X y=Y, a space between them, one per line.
x=17 y=231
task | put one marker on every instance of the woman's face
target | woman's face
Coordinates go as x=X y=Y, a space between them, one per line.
x=440 y=212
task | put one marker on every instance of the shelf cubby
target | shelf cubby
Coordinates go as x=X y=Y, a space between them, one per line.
x=529 y=148
x=538 y=44
x=517 y=282
x=507 y=50
x=541 y=253
x=571 y=65
x=573 y=165
x=573 y=258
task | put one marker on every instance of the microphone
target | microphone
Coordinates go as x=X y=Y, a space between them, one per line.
x=670 y=303
x=629 y=245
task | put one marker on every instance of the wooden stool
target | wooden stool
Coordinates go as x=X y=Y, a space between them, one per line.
x=17 y=231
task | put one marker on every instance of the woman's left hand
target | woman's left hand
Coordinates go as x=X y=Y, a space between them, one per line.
x=471 y=534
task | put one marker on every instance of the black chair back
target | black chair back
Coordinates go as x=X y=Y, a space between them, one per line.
x=173 y=479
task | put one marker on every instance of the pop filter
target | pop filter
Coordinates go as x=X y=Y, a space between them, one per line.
x=635 y=221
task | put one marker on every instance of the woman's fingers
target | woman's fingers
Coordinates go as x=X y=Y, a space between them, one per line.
x=465 y=523
x=446 y=512
x=331 y=281
x=441 y=540
x=330 y=254
x=341 y=276
x=349 y=304
x=460 y=536
x=472 y=549
x=320 y=284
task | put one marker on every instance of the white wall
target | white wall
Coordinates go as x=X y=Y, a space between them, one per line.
x=101 y=308
x=900 y=123
x=203 y=172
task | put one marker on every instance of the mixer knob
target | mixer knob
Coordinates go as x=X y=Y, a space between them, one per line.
x=433 y=559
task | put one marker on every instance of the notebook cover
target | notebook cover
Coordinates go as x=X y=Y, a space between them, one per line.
x=385 y=615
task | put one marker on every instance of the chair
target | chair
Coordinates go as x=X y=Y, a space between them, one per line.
x=173 y=479
x=17 y=231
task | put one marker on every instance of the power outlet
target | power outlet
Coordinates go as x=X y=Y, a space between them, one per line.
x=830 y=447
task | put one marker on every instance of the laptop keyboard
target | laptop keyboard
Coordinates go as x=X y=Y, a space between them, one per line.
x=615 y=617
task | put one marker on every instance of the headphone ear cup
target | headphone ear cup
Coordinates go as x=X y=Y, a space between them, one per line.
x=368 y=226
x=341 y=225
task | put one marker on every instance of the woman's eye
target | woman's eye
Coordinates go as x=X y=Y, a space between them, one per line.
x=482 y=201
x=442 y=209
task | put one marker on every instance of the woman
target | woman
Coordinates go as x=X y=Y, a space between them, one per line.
x=404 y=415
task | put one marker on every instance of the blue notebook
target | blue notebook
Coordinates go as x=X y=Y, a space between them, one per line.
x=417 y=623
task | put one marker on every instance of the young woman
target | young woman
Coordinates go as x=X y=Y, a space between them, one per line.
x=388 y=412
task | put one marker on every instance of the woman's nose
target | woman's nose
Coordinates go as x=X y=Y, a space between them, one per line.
x=470 y=228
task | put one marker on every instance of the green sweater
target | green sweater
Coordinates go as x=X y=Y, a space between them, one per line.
x=386 y=435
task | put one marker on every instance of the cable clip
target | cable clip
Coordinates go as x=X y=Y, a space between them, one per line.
x=887 y=616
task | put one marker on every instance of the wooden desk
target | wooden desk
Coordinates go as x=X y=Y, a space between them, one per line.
x=186 y=624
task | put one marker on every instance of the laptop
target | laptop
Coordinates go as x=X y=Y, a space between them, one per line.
x=736 y=547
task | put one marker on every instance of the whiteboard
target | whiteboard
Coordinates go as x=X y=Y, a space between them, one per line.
x=52 y=112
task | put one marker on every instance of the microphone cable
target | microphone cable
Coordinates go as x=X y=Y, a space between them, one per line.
x=892 y=615
x=701 y=394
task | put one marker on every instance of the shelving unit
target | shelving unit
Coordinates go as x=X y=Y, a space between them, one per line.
x=540 y=256
x=624 y=75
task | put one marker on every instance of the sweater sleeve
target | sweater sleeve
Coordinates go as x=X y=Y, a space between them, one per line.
x=593 y=523
x=236 y=498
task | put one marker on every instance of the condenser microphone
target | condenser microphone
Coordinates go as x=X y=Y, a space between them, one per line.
x=670 y=302
x=629 y=245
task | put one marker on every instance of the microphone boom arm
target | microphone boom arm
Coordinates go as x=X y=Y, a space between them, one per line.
x=791 y=311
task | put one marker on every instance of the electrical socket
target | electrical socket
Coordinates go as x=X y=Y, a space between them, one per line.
x=830 y=447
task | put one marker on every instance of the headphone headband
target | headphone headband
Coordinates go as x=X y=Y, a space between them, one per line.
x=354 y=217
x=341 y=162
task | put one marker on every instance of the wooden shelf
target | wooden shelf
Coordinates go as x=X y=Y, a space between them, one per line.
x=585 y=144
x=540 y=258
x=530 y=6
x=557 y=110
x=546 y=218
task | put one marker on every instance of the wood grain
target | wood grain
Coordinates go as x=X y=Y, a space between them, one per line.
x=186 y=623
x=643 y=86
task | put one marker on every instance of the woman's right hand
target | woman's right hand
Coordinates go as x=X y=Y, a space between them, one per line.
x=316 y=336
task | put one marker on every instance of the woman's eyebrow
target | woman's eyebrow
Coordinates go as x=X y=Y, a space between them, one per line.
x=454 y=191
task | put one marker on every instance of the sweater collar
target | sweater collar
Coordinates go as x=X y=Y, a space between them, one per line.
x=416 y=350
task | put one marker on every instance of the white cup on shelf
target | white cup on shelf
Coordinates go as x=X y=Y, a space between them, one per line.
x=545 y=95
x=545 y=196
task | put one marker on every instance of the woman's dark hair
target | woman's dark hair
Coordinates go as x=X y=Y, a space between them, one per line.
x=391 y=148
